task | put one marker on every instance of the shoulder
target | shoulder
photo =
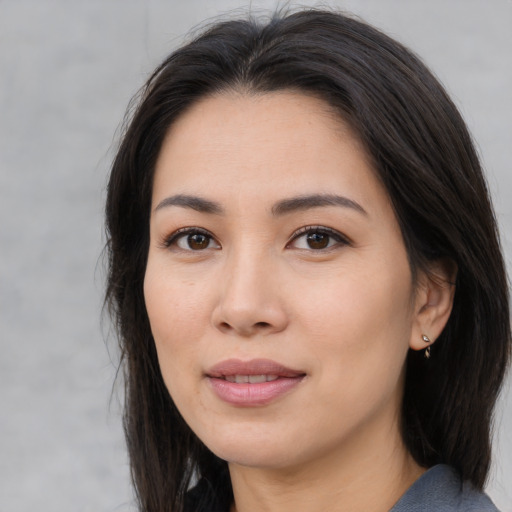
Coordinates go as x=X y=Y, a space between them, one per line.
x=440 y=489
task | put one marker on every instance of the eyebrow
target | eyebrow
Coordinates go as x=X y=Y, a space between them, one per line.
x=315 y=201
x=195 y=203
x=283 y=207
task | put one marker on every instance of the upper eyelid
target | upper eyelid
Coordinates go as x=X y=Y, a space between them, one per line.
x=168 y=240
x=312 y=228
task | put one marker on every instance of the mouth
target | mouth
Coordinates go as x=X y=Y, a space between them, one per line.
x=251 y=379
x=252 y=383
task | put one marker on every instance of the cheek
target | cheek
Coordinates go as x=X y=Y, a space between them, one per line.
x=177 y=314
x=352 y=304
x=360 y=325
x=172 y=303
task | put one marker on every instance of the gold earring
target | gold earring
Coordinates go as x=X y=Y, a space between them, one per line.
x=426 y=339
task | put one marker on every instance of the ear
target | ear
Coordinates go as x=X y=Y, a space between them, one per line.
x=435 y=290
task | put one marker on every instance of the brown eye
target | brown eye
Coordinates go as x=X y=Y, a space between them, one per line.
x=192 y=239
x=317 y=240
x=198 y=241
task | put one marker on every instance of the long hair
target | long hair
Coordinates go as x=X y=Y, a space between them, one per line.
x=421 y=151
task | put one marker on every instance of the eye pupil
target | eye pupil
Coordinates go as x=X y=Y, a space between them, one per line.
x=318 y=240
x=198 y=241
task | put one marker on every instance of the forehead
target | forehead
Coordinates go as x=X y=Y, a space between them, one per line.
x=262 y=144
x=283 y=118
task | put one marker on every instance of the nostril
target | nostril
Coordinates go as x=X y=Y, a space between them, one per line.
x=225 y=326
x=258 y=326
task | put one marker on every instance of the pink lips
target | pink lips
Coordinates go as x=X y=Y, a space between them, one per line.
x=252 y=383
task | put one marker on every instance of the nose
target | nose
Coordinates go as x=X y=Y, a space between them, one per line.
x=250 y=300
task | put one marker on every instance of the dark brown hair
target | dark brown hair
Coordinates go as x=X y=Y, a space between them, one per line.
x=424 y=155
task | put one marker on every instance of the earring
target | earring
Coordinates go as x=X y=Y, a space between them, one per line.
x=426 y=339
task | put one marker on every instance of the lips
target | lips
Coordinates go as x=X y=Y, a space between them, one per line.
x=252 y=383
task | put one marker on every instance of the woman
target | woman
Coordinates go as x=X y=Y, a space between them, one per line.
x=306 y=277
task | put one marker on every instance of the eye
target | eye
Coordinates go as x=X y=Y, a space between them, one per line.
x=317 y=238
x=191 y=239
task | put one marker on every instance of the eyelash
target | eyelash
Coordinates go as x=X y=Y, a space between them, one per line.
x=184 y=232
x=322 y=230
x=340 y=239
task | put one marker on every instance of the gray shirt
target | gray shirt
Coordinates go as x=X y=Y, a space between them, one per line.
x=440 y=489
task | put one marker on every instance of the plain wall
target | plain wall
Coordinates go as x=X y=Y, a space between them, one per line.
x=67 y=72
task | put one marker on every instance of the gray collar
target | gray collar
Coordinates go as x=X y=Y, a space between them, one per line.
x=440 y=489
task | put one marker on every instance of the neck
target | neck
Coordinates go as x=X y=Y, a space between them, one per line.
x=368 y=475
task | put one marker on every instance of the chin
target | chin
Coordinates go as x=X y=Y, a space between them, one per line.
x=252 y=448
x=261 y=446
x=255 y=457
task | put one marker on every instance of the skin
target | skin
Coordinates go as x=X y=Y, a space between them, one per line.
x=344 y=315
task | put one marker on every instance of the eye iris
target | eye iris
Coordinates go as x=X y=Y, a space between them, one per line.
x=318 y=240
x=198 y=241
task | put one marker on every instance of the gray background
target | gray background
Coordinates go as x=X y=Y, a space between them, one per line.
x=67 y=72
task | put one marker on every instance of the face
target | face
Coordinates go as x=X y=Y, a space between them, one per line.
x=278 y=286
